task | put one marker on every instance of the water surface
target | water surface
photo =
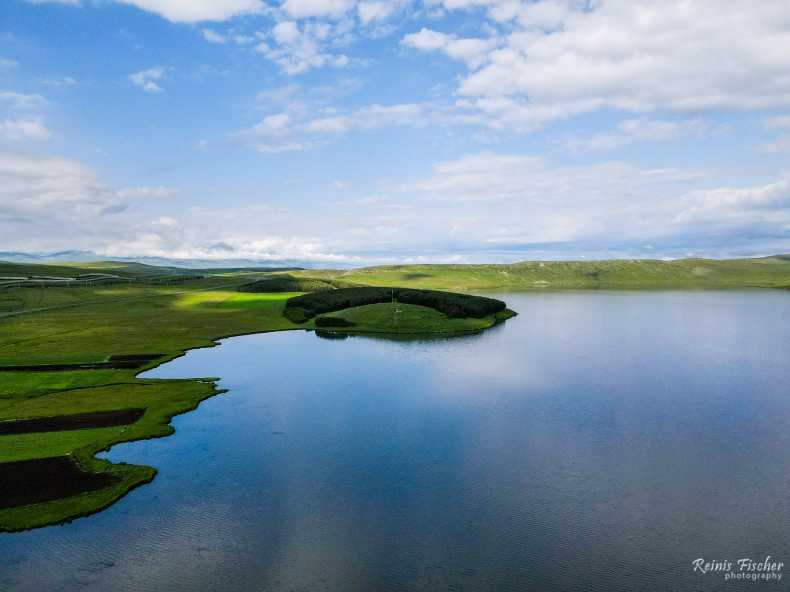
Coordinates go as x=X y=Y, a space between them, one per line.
x=598 y=441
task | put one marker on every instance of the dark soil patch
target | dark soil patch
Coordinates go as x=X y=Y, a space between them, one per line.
x=124 y=362
x=64 y=423
x=136 y=357
x=42 y=480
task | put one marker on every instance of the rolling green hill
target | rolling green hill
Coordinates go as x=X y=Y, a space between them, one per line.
x=767 y=272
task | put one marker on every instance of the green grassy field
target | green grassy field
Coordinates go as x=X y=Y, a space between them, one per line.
x=69 y=325
x=110 y=321
x=768 y=272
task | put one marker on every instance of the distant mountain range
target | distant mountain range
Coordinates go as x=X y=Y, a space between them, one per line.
x=89 y=256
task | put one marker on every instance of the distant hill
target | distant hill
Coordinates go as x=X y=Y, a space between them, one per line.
x=613 y=274
x=90 y=257
x=764 y=272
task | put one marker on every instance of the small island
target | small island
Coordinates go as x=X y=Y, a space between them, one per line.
x=396 y=311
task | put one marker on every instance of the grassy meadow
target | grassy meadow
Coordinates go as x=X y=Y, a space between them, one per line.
x=136 y=319
x=768 y=272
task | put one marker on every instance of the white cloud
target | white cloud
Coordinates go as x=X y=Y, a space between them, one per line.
x=60 y=82
x=69 y=2
x=317 y=8
x=51 y=187
x=194 y=11
x=371 y=117
x=282 y=133
x=570 y=57
x=473 y=52
x=378 y=10
x=153 y=192
x=520 y=200
x=298 y=48
x=185 y=11
x=273 y=134
x=5 y=63
x=148 y=80
x=22 y=102
x=212 y=36
x=482 y=203
x=13 y=130
x=739 y=206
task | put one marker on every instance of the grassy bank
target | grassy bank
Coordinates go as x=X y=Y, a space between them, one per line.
x=95 y=325
x=768 y=272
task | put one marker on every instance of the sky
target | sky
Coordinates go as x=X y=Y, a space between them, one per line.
x=356 y=132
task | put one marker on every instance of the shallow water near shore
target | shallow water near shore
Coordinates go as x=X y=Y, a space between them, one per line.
x=598 y=441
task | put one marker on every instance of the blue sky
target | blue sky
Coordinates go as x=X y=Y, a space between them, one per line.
x=362 y=131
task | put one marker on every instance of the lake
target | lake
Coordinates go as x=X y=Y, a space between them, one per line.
x=598 y=441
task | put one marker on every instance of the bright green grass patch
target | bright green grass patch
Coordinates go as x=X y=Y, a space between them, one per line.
x=18 y=385
x=163 y=399
x=241 y=301
x=30 y=446
x=406 y=318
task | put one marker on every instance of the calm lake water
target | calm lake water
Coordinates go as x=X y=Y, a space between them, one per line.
x=599 y=441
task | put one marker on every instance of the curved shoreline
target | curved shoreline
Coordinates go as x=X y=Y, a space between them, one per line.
x=56 y=512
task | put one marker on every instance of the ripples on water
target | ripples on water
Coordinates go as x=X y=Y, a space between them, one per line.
x=599 y=441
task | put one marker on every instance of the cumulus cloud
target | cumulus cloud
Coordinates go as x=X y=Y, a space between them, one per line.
x=523 y=201
x=50 y=187
x=54 y=203
x=297 y=48
x=481 y=203
x=561 y=58
x=65 y=81
x=14 y=130
x=281 y=132
x=193 y=11
x=378 y=10
x=317 y=8
x=212 y=36
x=21 y=101
x=764 y=204
x=159 y=191
x=473 y=52
x=148 y=80
x=184 y=11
